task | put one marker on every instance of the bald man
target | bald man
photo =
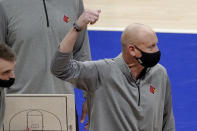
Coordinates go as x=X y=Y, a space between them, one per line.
x=128 y=93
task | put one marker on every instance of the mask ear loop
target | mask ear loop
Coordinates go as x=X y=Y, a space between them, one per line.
x=138 y=49
x=138 y=59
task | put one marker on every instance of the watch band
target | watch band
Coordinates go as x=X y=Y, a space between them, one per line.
x=76 y=27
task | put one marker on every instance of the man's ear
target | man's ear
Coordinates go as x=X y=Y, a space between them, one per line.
x=131 y=49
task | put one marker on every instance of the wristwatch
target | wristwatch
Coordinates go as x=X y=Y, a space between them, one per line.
x=76 y=27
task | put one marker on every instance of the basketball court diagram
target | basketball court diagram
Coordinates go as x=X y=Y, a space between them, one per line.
x=39 y=113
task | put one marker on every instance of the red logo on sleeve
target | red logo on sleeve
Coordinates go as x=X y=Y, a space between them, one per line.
x=66 y=19
x=152 y=90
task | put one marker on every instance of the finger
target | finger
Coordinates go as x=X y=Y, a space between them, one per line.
x=93 y=20
x=83 y=116
x=84 y=112
x=99 y=11
x=91 y=23
x=89 y=18
x=28 y=129
x=93 y=12
x=86 y=126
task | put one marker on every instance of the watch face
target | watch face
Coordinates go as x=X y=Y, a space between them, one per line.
x=76 y=27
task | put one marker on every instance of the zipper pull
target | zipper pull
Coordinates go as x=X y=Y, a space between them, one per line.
x=138 y=87
x=137 y=82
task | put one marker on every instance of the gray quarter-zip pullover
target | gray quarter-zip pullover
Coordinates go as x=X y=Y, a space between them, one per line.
x=116 y=101
x=34 y=28
x=2 y=105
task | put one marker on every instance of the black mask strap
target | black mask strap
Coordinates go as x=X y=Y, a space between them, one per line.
x=138 y=49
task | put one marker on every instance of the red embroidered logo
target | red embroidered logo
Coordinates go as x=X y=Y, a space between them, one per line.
x=66 y=19
x=152 y=89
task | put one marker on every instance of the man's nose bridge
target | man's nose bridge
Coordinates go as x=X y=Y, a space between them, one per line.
x=12 y=75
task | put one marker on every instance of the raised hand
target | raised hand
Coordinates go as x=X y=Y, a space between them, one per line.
x=88 y=17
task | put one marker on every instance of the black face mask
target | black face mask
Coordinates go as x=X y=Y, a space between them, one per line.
x=7 y=83
x=148 y=59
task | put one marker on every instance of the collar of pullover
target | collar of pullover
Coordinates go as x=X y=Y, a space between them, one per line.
x=124 y=67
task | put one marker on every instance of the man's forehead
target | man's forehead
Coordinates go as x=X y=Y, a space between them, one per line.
x=6 y=65
x=140 y=33
x=147 y=36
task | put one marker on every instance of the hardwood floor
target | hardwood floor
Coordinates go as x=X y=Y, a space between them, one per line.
x=162 y=15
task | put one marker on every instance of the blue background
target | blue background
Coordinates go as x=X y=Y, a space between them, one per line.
x=180 y=59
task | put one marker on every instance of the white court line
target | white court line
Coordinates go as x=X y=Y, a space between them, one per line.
x=156 y=30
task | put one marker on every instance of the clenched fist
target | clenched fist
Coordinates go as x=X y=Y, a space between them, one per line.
x=88 y=17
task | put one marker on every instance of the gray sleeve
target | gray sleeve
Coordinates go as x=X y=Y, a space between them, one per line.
x=3 y=24
x=81 y=51
x=84 y=75
x=2 y=105
x=168 y=117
